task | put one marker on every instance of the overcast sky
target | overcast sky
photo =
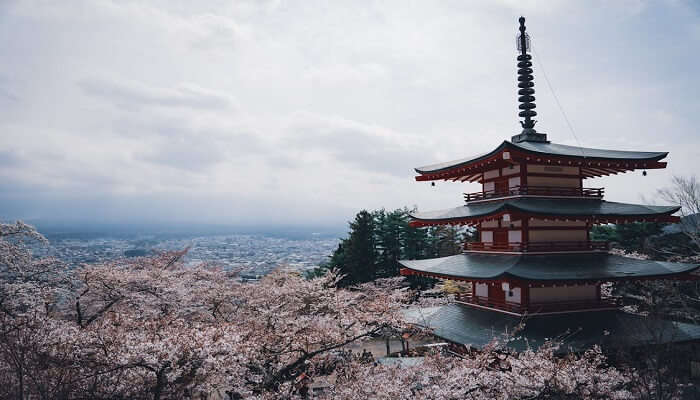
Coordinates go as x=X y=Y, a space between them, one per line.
x=304 y=112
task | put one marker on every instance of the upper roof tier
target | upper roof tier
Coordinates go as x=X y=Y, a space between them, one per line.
x=593 y=162
x=596 y=211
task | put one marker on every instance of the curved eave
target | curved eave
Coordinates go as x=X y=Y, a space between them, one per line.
x=464 y=162
x=595 y=211
x=546 y=269
x=593 y=162
x=688 y=275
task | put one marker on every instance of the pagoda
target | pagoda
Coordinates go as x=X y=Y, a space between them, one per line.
x=533 y=217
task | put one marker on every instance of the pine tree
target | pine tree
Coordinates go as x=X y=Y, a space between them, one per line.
x=389 y=237
x=356 y=255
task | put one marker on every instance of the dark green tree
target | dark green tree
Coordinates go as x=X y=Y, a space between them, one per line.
x=356 y=255
x=389 y=235
x=630 y=237
x=378 y=240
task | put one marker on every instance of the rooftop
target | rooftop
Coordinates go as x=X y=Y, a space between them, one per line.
x=594 y=162
x=574 y=208
x=476 y=328
x=545 y=268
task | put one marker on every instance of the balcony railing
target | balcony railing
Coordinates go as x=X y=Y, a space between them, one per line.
x=534 y=247
x=596 y=193
x=540 y=308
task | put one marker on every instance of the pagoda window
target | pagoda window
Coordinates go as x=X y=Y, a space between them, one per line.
x=487 y=236
x=489 y=186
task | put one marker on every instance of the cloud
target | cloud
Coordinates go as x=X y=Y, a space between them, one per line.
x=134 y=95
x=10 y=159
x=365 y=147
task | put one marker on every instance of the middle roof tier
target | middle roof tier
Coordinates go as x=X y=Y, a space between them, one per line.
x=589 y=210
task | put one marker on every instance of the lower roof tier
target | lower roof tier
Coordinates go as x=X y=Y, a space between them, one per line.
x=545 y=268
x=579 y=331
x=592 y=210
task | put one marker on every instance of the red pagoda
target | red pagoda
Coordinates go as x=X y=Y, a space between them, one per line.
x=533 y=217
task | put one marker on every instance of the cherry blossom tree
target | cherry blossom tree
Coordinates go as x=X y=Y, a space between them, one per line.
x=155 y=328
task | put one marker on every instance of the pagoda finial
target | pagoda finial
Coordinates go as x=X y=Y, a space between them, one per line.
x=526 y=91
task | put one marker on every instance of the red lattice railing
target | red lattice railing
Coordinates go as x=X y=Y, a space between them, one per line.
x=549 y=307
x=536 y=191
x=518 y=247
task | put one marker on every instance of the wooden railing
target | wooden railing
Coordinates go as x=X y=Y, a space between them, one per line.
x=533 y=308
x=518 y=247
x=536 y=191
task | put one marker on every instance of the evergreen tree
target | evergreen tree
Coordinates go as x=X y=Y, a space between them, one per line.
x=356 y=255
x=378 y=240
x=630 y=237
x=389 y=238
x=416 y=240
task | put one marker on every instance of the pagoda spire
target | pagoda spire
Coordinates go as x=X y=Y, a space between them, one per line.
x=527 y=90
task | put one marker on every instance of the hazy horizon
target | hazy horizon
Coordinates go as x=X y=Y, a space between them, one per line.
x=274 y=114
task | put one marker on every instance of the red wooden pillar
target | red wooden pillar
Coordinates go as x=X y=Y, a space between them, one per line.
x=526 y=297
x=525 y=226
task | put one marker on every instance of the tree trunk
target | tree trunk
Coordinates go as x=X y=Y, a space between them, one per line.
x=20 y=389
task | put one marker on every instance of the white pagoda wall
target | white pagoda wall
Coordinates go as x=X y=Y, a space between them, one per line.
x=552 y=169
x=550 y=181
x=563 y=293
x=557 y=235
x=515 y=236
x=553 y=181
x=541 y=222
x=513 y=182
x=510 y=171
x=482 y=290
x=514 y=296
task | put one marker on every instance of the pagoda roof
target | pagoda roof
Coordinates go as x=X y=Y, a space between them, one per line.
x=578 y=331
x=600 y=160
x=588 y=209
x=545 y=268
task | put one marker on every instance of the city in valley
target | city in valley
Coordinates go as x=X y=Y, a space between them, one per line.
x=255 y=255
